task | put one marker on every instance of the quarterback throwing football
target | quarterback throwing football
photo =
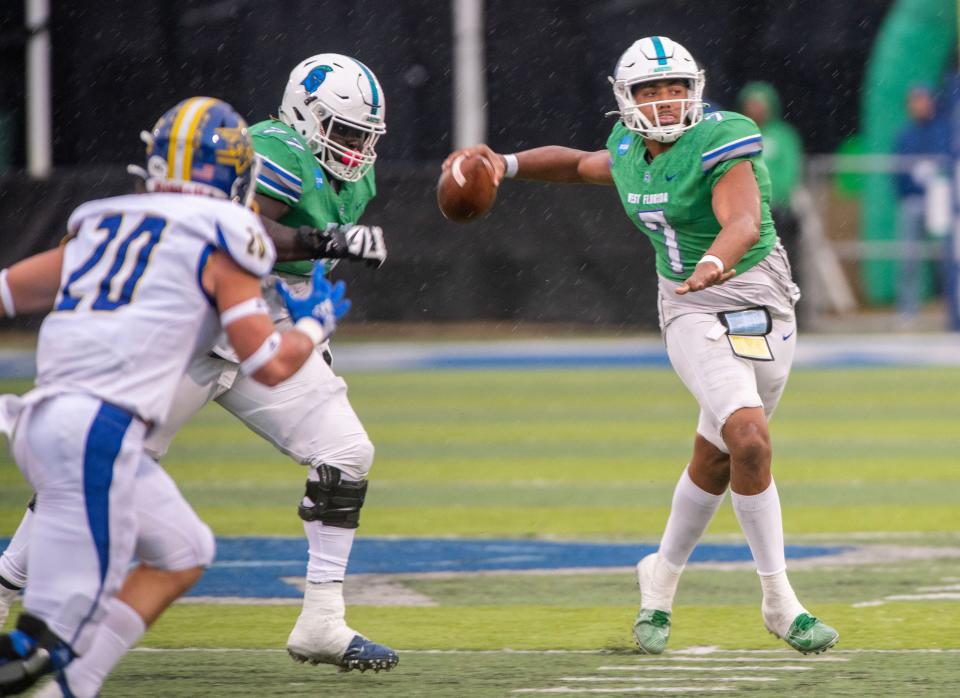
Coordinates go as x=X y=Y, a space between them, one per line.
x=696 y=186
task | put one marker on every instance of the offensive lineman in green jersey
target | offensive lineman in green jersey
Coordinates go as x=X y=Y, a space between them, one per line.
x=316 y=177
x=315 y=180
x=697 y=187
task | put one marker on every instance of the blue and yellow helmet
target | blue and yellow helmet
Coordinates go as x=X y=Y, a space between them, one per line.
x=201 y=146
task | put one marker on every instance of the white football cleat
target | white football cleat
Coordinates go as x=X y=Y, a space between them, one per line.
x=322 y=636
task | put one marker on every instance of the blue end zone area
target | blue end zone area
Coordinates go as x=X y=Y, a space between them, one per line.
x=256 y=567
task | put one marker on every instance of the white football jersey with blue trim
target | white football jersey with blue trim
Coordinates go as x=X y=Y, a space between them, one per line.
x=131 y=310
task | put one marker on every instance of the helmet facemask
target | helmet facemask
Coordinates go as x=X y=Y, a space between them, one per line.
x=347 y=150
x=691 y=109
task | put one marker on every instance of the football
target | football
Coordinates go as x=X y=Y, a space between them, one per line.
x=466 y=191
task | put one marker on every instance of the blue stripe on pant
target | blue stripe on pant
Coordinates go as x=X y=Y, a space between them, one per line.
x=104 y=441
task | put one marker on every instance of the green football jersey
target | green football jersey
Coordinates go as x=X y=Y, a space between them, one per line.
x=291 y=174
x=670 y=198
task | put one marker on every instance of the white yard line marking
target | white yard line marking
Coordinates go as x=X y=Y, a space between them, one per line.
x=702 y=650
x=634 y=679
x=629 y=689
x=750 y=659
x=946 y=596
x=667 y=667
x=787 y=654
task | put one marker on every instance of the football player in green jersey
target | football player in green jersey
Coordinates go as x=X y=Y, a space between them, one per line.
x=696 y=186
x=315 y=180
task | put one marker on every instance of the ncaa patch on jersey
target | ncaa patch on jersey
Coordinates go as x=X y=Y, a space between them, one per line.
x=318 y=177
x=624 y=145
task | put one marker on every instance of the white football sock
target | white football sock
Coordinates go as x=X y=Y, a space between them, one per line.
x=760 y=519
x=661 y=587
x=329 y=551
x=321 y=631
x=13 y=562
x=119 y=630
x=691 y=513
x=780 y=603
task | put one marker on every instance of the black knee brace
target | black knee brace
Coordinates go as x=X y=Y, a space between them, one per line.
x=335 y=501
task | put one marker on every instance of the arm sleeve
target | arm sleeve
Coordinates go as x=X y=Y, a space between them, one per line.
x=734 y=138
x=280 y=174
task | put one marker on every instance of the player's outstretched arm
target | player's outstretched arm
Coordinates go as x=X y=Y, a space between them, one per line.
x=551 y=163
x=31 y=285
x=267 y=355
x=736 y=204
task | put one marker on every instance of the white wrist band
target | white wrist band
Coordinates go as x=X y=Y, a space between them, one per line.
x=713 y=259
x=251 y=306
x=6 y=296
x=512 y=165
x=261 y=357
x=312 y=328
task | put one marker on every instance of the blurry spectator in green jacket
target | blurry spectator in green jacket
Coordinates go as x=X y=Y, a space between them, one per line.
x=783 y=155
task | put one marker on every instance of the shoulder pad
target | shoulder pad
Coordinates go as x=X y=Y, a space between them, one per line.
x=281 y=153
x=242 y=236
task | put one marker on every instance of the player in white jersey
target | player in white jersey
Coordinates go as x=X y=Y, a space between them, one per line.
x=143 y=283
x=315 y=182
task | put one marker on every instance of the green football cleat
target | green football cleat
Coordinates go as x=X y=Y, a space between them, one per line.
x=810 y=635
x=651 y=630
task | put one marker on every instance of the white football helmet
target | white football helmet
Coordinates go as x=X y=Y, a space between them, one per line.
x=657 y=58
x=335 y=102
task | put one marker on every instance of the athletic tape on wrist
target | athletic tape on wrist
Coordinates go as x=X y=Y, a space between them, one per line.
x=713 y=259
x=6 y=296
x=251 y=306
x=262 y=356
x=512 y=165
x=312 y=328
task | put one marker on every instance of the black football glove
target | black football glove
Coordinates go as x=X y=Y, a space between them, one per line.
x=361 y=242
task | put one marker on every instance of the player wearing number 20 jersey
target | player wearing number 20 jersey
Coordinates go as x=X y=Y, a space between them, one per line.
x=141 y=246
x=141 y=286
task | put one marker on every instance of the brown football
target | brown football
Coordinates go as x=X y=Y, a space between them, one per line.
x=466 y=191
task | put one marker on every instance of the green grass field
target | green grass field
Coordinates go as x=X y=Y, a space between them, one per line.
x=866 y=457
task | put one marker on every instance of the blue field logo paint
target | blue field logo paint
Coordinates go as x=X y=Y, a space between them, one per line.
x=270 y=567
